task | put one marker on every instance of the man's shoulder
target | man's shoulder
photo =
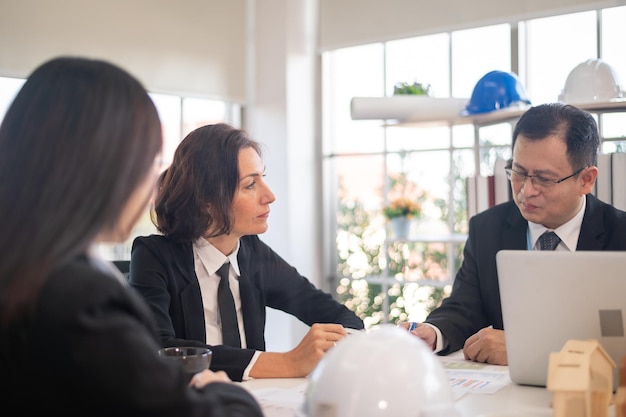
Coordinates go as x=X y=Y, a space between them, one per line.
x=497 y=212
x=600 y=213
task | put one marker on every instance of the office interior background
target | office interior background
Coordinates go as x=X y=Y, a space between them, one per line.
x=286 y=70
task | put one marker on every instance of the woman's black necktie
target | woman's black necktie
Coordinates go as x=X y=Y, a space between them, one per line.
x=226 y=303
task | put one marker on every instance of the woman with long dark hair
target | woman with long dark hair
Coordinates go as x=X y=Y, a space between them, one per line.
x=79 y=153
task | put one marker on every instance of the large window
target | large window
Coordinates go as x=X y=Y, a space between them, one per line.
x=370 y=162
x=179 y=115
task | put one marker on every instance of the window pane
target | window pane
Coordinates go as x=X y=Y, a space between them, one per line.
x=360 y=227
x=198 y=112
x=498 y=134
x=424 y=60
x=463 y=136
x=613 y=35
x=169 y=112
x=348 y=73
x=573 y=37
x=616 y=146
x=8 y=89
x=422 y=173
x=613 y=125
x=405 y=138
x=476 y=52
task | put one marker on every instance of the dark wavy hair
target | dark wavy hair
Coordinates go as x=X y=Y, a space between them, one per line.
x=196 y=192
x=79 y=137
x=577 y=127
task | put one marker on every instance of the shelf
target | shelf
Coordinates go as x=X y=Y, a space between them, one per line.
x=405 y=108
x=451 y=238
x=423 y=111
x=377 y=279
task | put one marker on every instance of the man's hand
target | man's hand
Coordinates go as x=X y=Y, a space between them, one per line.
x=487 y=346
x=424 y=332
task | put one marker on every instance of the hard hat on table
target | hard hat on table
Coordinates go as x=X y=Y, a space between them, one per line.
x=385 y=372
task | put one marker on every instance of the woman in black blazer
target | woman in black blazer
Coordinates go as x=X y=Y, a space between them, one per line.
x=211 y=205
x=79 y=148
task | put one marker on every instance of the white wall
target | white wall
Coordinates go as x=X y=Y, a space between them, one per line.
x=184 y=46
x=353 y=22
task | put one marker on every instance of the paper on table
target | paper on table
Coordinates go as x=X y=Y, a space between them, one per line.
x=473 y=377
x=280 y=402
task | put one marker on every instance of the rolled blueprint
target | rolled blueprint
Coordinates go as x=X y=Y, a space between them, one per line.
x=407 y=108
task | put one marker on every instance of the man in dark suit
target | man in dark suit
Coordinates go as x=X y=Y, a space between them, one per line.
x=552 y=173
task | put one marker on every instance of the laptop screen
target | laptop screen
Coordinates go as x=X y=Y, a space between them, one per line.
x=551 y=297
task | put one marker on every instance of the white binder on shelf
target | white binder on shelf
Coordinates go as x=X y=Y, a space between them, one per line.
x=603 y=183
x=618 y=183
x=501 y=182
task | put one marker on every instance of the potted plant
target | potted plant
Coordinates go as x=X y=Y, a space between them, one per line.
x=400 y=212
x=417 y=89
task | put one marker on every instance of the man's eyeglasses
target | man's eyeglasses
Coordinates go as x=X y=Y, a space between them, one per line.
x=540 y=183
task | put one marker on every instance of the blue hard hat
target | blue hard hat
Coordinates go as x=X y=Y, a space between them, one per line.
x=496 y=90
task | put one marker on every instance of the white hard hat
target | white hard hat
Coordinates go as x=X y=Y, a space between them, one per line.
x=591 y=81
x=386 y=372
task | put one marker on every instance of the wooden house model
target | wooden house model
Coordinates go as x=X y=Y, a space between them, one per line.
x=580 y=378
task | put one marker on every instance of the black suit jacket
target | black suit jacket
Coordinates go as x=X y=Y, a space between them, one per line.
x=90 y=348
x=163 y=273
x=474 y=302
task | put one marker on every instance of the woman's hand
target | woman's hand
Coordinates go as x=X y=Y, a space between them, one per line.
x=301 y=360
x=207 y=376
x=319 y=339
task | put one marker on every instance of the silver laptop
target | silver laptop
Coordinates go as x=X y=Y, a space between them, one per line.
x=551 y=297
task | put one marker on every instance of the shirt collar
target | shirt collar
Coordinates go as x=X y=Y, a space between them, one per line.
x=568 y=232
x=212 y=258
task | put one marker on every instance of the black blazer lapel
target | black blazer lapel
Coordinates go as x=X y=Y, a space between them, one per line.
x=252 y=300
x=514 y=236
x=592 y=228
x=190 y=296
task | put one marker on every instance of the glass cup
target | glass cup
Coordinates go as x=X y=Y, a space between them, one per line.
x=191 y=359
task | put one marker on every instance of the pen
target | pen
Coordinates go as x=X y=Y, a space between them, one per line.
x=412 y=326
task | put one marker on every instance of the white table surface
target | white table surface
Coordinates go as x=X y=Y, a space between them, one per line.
x=511 y=401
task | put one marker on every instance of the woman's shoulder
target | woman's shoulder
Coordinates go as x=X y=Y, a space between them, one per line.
x=79 y=285
x=252 y=243
x=161 y=245
x=152 y=240
x=79 y=273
